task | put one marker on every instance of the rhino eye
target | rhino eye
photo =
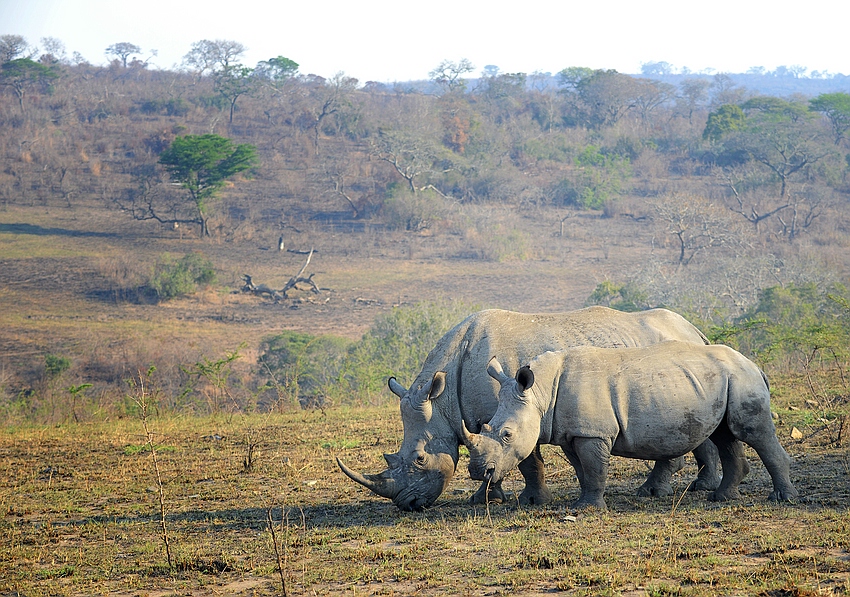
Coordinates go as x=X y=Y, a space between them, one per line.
x=507 y=435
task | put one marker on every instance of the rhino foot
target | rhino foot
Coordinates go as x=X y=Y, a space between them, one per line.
x=724 y=495
x=651 y=489
x=705 y=483
x=589 y=504
x=494 y=496
x=783 y=495
x=535 y=496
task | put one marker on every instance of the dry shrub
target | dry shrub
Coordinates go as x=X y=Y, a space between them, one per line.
x=123 y=272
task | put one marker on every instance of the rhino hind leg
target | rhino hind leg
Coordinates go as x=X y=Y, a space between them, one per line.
x=775 y=460
x=536 y=492
x=657 y=484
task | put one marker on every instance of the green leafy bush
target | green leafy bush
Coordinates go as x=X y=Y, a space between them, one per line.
x=602 y=176
x=398 y=343
x=311 y=370
x=799 y=323
x=172 y=278
x=623 y=297
x=304 y=368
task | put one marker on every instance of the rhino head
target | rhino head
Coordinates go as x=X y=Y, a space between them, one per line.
x=512 y=432
x=420 y=471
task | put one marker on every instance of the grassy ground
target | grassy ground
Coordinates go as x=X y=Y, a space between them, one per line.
x=81 y=509
x=81 y=515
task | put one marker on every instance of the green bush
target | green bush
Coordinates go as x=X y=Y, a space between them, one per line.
x=796 y=323
x=311 y=370
x=623 y=297
x=304 y=368
x=172 y=278
x=602 y=176
x=398 y=343
x=405 y=210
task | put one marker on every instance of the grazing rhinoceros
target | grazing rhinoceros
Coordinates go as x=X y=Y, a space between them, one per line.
x=453 y=387
x=654 y=402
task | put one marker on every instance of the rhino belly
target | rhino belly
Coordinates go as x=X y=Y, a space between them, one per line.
x=664 y=437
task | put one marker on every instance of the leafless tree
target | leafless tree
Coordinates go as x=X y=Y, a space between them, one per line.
x=14 y=46
x=207 y=56
x=697 y=224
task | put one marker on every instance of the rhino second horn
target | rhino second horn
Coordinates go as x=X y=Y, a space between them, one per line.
x=381 y=484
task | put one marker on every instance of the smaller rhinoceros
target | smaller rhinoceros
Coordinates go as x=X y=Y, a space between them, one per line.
x=651 y=403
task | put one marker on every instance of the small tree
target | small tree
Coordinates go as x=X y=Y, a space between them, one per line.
x=448 y=75
x=202 y=163
x=836 y=108
x=23 y=74
x=122 y=51
x=232 y=82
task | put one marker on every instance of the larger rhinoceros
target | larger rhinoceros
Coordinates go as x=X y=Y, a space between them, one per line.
x=653 y=402
x=453 y=387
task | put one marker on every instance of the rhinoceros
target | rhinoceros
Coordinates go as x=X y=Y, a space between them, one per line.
x=453 y=387
x=654 y=402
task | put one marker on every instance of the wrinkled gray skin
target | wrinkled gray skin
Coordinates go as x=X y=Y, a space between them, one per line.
x=656 y=402
x=453 y=388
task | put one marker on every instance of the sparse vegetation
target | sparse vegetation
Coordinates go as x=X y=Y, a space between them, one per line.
x=416 y=205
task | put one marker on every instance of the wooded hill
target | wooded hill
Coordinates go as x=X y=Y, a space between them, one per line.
x=722 y=192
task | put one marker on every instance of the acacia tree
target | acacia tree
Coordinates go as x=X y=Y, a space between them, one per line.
x=209 y=56
x=201 y=164
x=779 y=135
x=23 y=74
x=122 y=51
x=836 y=108
x=598 y=98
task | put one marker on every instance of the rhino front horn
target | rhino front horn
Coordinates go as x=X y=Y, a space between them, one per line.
x=382 y=484
x=470 y=440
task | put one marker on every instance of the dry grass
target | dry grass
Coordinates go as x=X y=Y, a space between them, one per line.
x=81 y=516
x=80 y=501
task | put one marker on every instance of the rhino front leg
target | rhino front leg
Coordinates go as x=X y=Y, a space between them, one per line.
x=657 y=484
x=536 y=492
x=593 y=455
x=489 y=493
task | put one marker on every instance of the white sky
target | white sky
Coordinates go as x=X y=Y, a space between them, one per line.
x=387 y=41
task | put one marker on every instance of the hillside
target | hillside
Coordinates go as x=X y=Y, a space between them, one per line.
x=499 y=194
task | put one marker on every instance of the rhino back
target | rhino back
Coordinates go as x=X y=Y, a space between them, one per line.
x=516 y=338
x=651 y=402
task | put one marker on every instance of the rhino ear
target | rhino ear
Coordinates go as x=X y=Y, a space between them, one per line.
x=396 y=388
x=393 y=460
x=494 y=369
x=524 y=378
x=438 y=385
